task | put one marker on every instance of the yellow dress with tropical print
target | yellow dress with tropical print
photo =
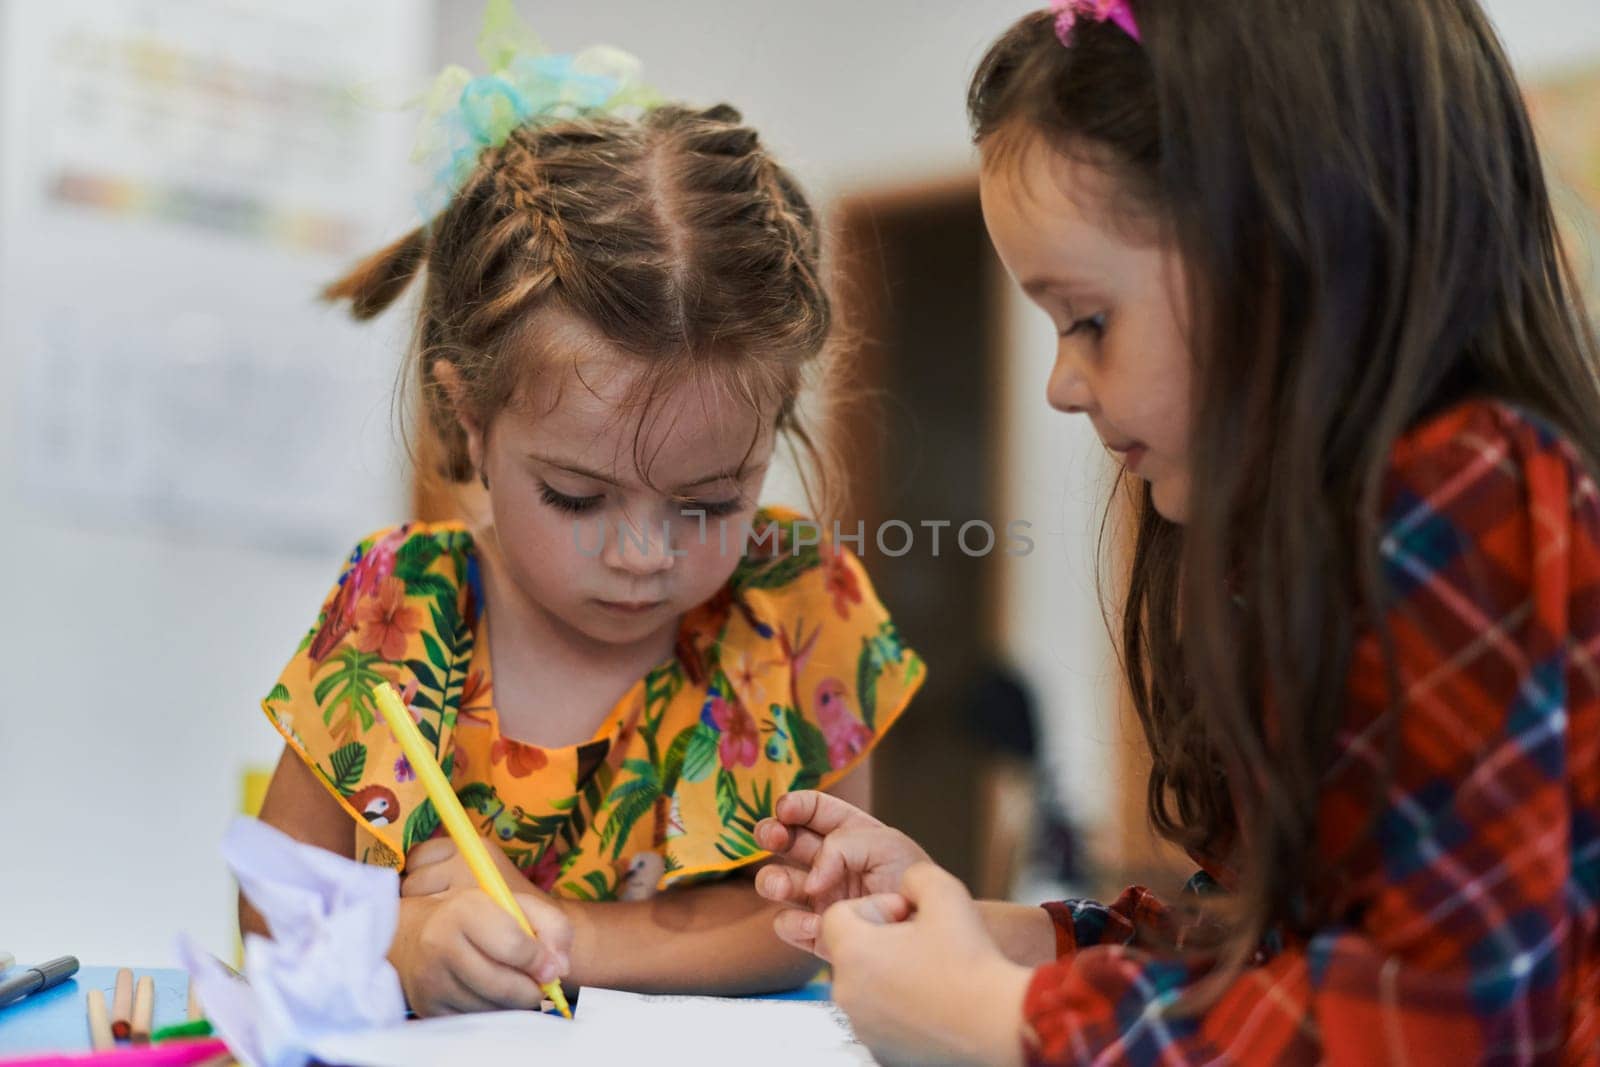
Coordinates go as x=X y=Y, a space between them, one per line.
x=783 y=681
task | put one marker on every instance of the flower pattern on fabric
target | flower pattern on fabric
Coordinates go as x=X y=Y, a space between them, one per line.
x=384 y=621
x=782 y=681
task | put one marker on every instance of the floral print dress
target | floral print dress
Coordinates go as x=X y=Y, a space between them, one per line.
x=784 y=680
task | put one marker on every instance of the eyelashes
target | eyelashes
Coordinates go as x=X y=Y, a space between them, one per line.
x=572 y=505
x=1094 y=325
x=579 y=505
x=715 y=509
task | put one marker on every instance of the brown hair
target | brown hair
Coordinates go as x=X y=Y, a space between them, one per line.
x=676 y=238
x=1356 y=193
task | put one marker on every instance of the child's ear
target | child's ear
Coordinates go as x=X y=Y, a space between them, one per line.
x=449 y=378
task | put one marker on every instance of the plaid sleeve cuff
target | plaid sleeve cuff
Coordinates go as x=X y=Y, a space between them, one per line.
x=1060 y=913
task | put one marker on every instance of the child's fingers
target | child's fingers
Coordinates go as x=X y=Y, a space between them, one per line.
x=422 y=881
x=798 y=928
x=434 y=850
x=780 y=884
x=498 y=935
x=846 y=920
x=488 y=985
x=821 y=812
x=554 y=930
x=803 y=845
x=453 y=996
x=773 y=836
x=930 y=887
x=839 y=854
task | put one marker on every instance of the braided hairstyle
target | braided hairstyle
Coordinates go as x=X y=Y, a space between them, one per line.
x=677 y=238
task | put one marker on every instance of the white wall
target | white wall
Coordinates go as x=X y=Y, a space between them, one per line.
x=135 y=659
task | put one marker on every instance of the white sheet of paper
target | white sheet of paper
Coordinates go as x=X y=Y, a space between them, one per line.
x=616 y=1027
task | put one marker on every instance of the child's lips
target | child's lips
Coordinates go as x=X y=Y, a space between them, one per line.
x=1130 y=454
x=630 y=607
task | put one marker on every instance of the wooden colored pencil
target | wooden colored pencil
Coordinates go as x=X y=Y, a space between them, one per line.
x=194 y=1001
x=122 y=1006
x=99 y=1022
x=144 y=1009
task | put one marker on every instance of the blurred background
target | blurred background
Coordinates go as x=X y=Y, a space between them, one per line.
x=191 y=444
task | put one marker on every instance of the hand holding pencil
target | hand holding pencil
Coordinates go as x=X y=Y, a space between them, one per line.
x=471 y=950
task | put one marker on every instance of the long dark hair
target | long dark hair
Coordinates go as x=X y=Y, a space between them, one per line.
x=1356 y=194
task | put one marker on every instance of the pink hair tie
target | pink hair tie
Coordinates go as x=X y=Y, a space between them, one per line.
x=1069 y=11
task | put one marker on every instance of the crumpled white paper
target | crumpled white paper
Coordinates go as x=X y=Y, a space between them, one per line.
x=326 y=968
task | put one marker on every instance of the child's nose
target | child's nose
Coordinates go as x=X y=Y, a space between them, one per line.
x=1068 y=390
x=639 y=549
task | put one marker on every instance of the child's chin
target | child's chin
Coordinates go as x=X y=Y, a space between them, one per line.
x=616 y=628
x=1171 y=498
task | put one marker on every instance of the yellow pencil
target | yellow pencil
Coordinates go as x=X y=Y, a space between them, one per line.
x=454 y=817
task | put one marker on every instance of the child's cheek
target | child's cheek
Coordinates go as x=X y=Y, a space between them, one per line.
x=704 y=568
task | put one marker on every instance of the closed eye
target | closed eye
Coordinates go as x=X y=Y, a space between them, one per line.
x=574 y=505
x=1094 y=325
x=714 y=508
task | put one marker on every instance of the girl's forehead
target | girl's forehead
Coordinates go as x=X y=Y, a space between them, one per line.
x=620 y=414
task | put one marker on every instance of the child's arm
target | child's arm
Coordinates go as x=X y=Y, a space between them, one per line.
x=455 y=951
x=300 y=806
x=714 y=938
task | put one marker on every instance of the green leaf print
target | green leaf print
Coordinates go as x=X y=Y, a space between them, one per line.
x=416 y=556
x=700 y=753
x=630 y=802
x=279 y=694
x=878 y=653
x=672 y=762
x=812 y=748
x=736 y=843
x=420 y=826
x=660 y=686
x=435 y=652
x=423 y=673
x=600 y=883
x=435 y=585
x=727 y=796
x=595 y=886
x=349 y=686
x=349 y=762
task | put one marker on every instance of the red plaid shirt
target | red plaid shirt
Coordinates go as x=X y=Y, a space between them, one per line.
x=1474 y=929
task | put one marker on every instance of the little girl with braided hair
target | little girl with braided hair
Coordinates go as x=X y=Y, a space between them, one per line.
x=617 y=314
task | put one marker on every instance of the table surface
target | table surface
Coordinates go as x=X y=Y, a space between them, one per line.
x=57 y=1019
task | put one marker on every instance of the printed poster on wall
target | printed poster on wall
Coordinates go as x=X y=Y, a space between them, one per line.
x=180 y=177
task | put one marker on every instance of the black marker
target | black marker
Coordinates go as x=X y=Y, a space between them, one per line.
x=33 y=979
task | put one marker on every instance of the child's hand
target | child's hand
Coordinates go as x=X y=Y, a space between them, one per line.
x=828 y=851
x=459 y=951
x=436 y=865
x=932 y=988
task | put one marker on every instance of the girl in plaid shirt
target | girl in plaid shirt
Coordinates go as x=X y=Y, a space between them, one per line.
x=1303 y=266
